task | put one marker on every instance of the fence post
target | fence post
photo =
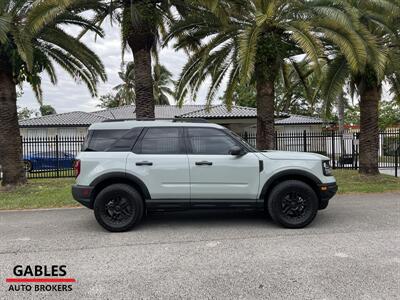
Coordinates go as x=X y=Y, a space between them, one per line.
x=396 y=162
x=396 y=158
x=333 y=150
x=57 y=158
x=276 y=140
x=305 y=141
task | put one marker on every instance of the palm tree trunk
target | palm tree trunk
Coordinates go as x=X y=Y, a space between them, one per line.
x=265 y=114
x=141 y=39
x=266 y=72
x=143 y=84
x=369 y=130
x=10 y=141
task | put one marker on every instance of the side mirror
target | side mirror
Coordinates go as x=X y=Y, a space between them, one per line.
x=236 y=151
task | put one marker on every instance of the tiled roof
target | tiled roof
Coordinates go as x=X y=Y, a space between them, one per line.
x=221 y=111
x=297 y=120
x=161 y=111
x=83 y=119
x=71 y=119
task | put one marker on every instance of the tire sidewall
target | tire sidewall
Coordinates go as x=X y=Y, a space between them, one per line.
x=28 y=166
x=131 y=195
x=280 y=191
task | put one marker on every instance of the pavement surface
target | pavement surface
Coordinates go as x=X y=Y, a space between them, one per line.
x=391 y=171
x=350 y=251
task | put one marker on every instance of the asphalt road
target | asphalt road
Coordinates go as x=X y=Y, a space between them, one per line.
x=351 y=251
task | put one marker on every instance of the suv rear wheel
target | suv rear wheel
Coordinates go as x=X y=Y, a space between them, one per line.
x=118 y=207
x=293 y=204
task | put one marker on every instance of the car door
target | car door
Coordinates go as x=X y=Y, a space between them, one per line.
x=214 y=172
x=159 y=159
x=49 y=160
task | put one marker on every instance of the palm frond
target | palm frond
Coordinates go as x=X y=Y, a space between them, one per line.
x=5 y=24
x=247 y=51
x=307 y=42
x=336 y=75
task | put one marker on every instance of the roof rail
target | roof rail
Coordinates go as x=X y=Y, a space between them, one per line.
x=189 y=120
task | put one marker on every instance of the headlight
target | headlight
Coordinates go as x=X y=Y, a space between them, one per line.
x=326 y=167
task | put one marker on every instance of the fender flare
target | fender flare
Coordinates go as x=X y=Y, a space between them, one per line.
x=301 y=173
x=125 y=176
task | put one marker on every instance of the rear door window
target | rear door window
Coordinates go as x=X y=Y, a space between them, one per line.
x=162 y=140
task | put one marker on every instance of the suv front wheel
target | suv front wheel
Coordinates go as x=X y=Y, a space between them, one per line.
x=293 y=204
x=118 y=207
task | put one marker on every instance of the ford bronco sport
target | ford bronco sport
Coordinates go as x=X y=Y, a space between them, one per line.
x=129 y=167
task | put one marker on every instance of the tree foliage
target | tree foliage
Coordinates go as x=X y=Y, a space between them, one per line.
x=124 y=93
x=46 y=110
x=33 y=40
x=26 y=113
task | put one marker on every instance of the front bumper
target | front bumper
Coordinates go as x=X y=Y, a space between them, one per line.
x=83 y=194
x=326 y=192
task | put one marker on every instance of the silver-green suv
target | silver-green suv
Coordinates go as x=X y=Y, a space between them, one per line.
x=128 y=167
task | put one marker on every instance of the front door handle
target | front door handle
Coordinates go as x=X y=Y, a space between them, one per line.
x=144 y=163
x=204 y=163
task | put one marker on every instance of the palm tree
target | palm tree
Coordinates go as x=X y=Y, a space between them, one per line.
x=162 y=82
x=142 y=24
x=375 y=58
x=249 y=41
x=32 y=40
x=125 y=92
x=297 y=90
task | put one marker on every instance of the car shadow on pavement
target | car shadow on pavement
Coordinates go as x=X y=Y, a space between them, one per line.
x=206 y=217
x=214 y=219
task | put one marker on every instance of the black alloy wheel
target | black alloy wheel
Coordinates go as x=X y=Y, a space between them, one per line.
x=28 y=165
x=293 y=204
x=118 y=207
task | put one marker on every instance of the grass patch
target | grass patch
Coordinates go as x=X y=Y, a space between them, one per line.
x=39 y=193
x=49 y=193
x=350 y=181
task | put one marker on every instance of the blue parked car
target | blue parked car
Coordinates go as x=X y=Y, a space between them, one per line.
x=48 y=161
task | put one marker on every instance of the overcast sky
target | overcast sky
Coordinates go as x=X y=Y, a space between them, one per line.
x=68 y=95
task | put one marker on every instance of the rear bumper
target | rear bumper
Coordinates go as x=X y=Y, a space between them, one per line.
x=83 y=194
x=326 y=192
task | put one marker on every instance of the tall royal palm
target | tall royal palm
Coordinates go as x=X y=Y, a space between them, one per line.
x=247 y=41
x=366 y=64
x=162 y=84
x=32 y=41
x=125 y=91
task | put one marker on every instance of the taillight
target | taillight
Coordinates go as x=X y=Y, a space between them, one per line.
x=77 y=167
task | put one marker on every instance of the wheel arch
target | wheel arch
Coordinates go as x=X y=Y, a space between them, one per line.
x=118 y=177
x=300 y=175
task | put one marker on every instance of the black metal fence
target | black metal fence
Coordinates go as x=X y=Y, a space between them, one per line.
x=53 y=157
x=341 y=148
x=50 y=157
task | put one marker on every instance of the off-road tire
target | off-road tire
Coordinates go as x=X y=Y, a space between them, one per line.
x=118 y=201
x=293 y=204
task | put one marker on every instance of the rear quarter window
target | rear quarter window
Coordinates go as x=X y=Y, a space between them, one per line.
x=111 y=140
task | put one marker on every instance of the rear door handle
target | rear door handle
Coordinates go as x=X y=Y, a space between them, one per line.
x=144 y=163
x=204 y=163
